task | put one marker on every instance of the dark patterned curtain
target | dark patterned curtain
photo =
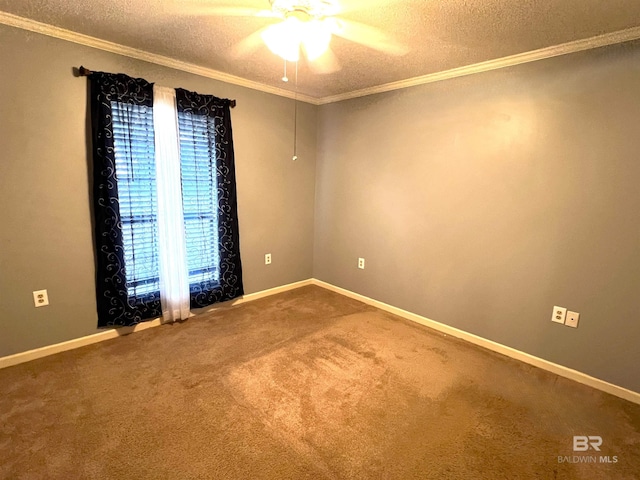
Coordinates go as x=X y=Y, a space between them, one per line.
x=205 y=126
x=121 y=302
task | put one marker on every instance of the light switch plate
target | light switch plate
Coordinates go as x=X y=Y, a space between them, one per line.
x=559 y=314
x=572 y=319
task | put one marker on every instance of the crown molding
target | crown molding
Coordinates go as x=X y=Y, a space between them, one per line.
x=88 y=41
x=612 y=38
x=620 y=36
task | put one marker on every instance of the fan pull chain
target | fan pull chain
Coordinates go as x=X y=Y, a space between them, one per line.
x=285 y=78
x=295 y=117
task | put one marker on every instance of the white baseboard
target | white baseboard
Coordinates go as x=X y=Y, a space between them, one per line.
x=490 y=345
x=272 y=291
x=29 y=355
x=446 y=329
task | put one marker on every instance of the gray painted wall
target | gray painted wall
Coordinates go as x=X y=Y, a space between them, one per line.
x=482 y=202
x=479 y=202
x=46 y=234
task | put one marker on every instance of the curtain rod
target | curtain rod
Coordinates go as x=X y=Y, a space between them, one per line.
x=85 y=72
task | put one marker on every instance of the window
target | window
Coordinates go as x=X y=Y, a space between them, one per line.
x=136 y=175
x=132 y=277
x=199 y=197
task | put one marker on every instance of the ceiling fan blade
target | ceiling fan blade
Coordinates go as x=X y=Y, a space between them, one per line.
x=368 y=36
x=348 y=6
x=325 y=63
x=195 y=8
x=249 y=44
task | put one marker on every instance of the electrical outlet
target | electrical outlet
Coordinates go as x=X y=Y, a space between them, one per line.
x=572 y=319
x=40 y=298
x=361 y=263
x=559 y=314
x=267 y=259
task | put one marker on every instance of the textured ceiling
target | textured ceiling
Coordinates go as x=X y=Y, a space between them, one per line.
x=440 y=34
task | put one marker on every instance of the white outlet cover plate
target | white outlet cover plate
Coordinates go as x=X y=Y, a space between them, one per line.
x=559 y=314
x=361 y=263
x=40 y=298
x=572 y=319
x=267 y=259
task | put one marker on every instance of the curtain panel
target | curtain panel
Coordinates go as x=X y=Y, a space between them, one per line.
x=115 y=305
x=174 y=275
x=128 y=191
x=210 y=117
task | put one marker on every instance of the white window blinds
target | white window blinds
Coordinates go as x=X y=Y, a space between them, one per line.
x=154 y=194
x=136 y=176
x=199 y=196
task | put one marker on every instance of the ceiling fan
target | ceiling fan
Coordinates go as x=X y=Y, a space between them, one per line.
x=306 y=26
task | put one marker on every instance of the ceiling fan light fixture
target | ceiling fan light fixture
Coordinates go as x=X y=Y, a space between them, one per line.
x=284 y=39
x=314 y=8
x=316 y=39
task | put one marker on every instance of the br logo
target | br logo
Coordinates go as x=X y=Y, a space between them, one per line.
x=583 y=443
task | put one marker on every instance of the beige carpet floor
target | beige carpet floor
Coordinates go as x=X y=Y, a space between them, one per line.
x=307 y=384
